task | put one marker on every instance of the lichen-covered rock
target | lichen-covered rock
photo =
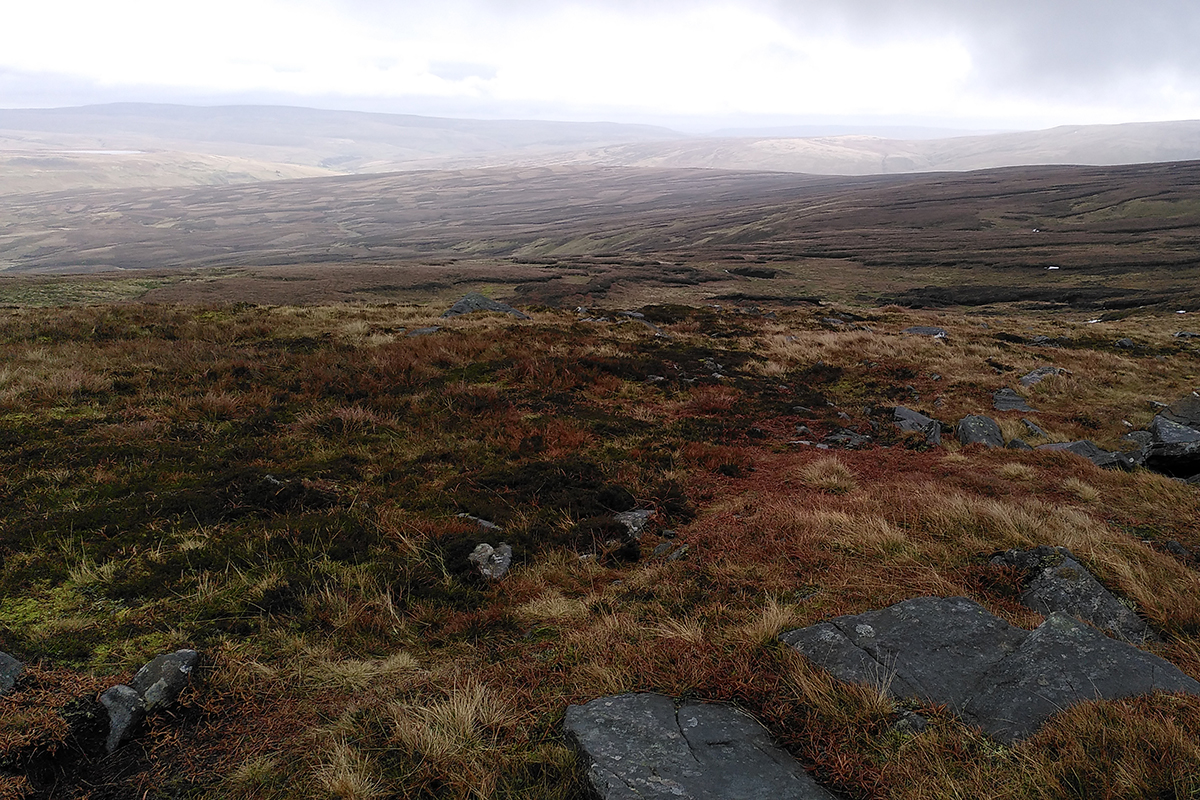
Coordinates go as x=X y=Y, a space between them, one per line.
x=493 y=562
x=164 y=677
x=639 y=746
x=978 y=429
x=1007 y=680
x=1057 y=582
x=474 y=302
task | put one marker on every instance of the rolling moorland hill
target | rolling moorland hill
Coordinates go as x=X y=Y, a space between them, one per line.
x=128 y=145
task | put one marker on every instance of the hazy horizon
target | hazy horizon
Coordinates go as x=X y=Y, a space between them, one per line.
x=693 y=67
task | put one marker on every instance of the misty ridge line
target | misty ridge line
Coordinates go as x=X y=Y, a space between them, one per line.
x=131 y=145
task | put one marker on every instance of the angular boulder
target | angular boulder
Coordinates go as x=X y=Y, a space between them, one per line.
x=639 y=746
x=1174 y=446
x=154 y=687
x=978 y=429
x=1057 y=582
x=911 y=421
x=474 y=302
x=1006 y=680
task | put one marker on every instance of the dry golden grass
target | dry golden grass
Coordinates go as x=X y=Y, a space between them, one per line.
x=828 y=475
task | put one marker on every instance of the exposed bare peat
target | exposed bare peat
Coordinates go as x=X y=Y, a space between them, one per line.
x=404 y=542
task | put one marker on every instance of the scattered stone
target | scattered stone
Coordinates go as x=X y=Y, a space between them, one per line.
x=1040 y=374
x=802 y=430
x=1018 y=444
x=487 y=525
x=1174 y=447
x=1176 y=549
x=635 y=521
x=678 y=554
x=126 y=710
x=978 y=429
x=911 y=421
x=161 y=680
x=493 y=562
x=1058 y=582
x=631 y=314
x=1092 y=452
x=1008 y=400
x=1006 y=680
x=474 y=302
x=833 y=322
x=639 y=746
x=1047 y=341
x=850 y=440
x=1033 y=428
x=423 y=331
x=926 y=330
x=1124 y=344
x=1187 y=335
x=662 y=549
x=10 y=671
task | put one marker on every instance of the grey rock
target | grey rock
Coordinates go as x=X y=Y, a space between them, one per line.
x=493 y=562
x=910 y=722
x=926 y=330
x=126 y=710
x=1187 y=335
x=678 y=554
x=638 y=746
x=851 y=440
x=833 y=322
x=1092 y=452
x=1008 y=400
x=634 y=521
x=1040 y=374
x=487 y=525
x=909 y=421
x=164 y=677
x=978 y=429
x=1061 y=663
x=415 y=332
x=1006 y=680
x=474 y=302
x=1124 y=344
x=1033 y=428
x=1018 y=444
x=10 y=671
x=1059 y=583
x=662 y=549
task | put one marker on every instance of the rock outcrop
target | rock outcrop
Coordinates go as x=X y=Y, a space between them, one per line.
x=1008 y=400
x=1006 y=680
x=911 y=421
x=978 y=429
x=10 y=671
x=474 y=302
x=639 y=746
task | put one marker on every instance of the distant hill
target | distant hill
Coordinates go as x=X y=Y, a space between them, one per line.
x=146 y=145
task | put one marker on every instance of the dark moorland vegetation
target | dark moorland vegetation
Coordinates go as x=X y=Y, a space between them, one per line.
x=279 y=487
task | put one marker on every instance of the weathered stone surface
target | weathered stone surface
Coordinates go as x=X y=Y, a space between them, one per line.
x=1185 y=411
x=1125 y=344
x=164 y=677
x=126 y=710
x=1033 y=428
x=1018 y=444
x=1040 y=374
x=635 y=521
x=1092 y=452
x=1057 y=582
x=911 y=421
x=487 y=525
x=1008 y=400
x=493 y=562
x=1005 y=679
x=638 y=746
x=476 y=302
x=926 y=330
x=10 y=671
x=1061 y=663
x=851 y=440
x=1187 y=335
x=978 y=429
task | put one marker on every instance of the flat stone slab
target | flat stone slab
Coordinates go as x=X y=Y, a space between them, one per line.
x=1008 y=400
x=474 y=301
x=638 y=746
x=1057 y=582
x=1004 y=679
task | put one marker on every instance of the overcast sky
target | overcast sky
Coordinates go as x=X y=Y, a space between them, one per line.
x=960 y=63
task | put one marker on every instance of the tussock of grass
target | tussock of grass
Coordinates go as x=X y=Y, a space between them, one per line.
x=828 y=475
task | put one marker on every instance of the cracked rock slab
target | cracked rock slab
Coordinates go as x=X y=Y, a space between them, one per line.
x=1004 y=679
x=637 y=746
